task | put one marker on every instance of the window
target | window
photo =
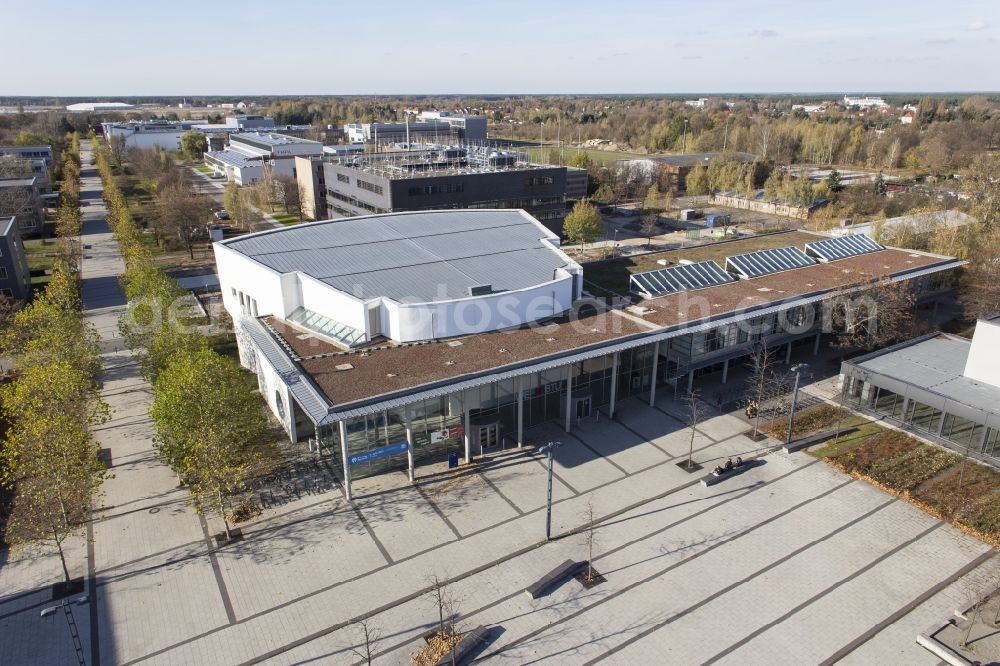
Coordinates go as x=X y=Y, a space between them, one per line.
x=371 y=187
x=343 y=178
x=539 y=180
x=3 y=272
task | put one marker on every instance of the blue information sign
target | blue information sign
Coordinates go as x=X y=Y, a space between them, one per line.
x=375 y=454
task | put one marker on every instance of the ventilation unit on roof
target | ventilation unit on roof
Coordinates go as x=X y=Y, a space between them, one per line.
x=481 y=290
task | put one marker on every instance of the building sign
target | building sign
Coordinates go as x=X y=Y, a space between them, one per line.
x=437 y=436
x=375 y=454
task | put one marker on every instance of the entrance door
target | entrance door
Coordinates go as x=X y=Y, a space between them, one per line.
x=582 y=408
x=487 y=438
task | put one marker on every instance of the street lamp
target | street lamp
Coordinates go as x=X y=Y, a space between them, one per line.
x=684 y=149
x=548 y=497
x=797 y=369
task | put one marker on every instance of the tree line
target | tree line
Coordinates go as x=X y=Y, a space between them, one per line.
x=209 y=422
x=49 y=458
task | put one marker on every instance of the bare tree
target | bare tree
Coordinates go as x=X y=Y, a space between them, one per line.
x=288 y=194
x=371 y=633
x=761 y=382
x=871 y=316
x=590 y=537
x=118 y=147
x=12 y=166
x=183 y=212
x=444 y=600
x=649 y=227
x=694 y=412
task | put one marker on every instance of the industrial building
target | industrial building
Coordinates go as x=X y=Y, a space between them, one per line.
x=250 y=153
x=165 y=134
x=439 y=177
x=99 y=106
x=429 y=127
x=392 y=341
x=15 y=280
x=944 y=387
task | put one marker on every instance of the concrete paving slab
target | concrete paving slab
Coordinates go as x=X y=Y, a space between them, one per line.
x=404 y=523
x=523 y=481
x=469 y=503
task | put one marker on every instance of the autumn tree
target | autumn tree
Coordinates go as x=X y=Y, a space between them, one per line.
x=696 y=181
x=208 y=424
x=194 y=144
x=117 y=146
x=649 y=222
x=604 y=194
x=583 y=224
x=183 y=212
x=982 y=183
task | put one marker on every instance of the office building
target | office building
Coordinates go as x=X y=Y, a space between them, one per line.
x=163 y=134
x=943 y=387
x=21 y=198
x=439 y=177
x=250 y=153
x=391 y=341
x=15 y=280
x=40 y=160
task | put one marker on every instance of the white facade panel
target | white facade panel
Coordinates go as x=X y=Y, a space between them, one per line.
x=983 y=364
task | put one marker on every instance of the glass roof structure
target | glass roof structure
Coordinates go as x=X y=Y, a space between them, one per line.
x=765 y=262
x=840 y=248
x=684 y=277
x=341 y=333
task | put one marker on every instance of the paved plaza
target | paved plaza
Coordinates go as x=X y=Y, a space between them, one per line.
x=791 y=562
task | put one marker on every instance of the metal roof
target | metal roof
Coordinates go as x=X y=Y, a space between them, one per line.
x=232 y=158
x=309 y=398
x=419 y=257
x=934 y=363
x=765 y=262
x=844 y=246
x=684 y=277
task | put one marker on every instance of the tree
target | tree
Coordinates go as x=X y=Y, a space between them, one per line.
x=371 y=633
x=649 y=227
x=208 y=422
x=580 y=159
x=288 y=194
x=183 y=212
x=194 y=144
x=693 y=401
x=696 y=181
x=880 y=186
x=590 y=521
x=583 y=225
x=12 y=166
x=118 y=148
x=761 y=382
x=833 y=181
x=871 y=315
x=653 y=200
x=604 y=194
x=981 y=182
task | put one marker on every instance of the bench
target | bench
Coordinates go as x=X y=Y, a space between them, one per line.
x=712 y=479
x=567 y=569
x=812 y=440
x=469 y=642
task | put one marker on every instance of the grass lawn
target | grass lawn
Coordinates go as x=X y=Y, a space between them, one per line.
x=286 y=218
x=41 y=253
x=203 y=169
x=614 y=275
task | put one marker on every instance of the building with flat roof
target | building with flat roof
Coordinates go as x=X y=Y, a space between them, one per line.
x=865 y=102
x=429 y=127
x=249 y=154
x=38 y=158
x=165 y=134
x=439 y=177
x=943 y=387
x=21 y=198
x=391 y=341
x=99 y=106
x=15 y=280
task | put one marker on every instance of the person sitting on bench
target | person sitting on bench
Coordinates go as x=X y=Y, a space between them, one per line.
x=739 y=461
x=729 y=464
x=718 y=471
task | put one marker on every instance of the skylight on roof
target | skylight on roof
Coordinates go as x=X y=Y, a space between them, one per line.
x=843 y=247
x=765 y=262
x=342 y=333
x=678 y=278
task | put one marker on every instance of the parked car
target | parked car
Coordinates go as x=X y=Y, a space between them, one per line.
x=222 y=214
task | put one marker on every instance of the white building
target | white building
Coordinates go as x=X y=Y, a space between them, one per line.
x=164 y=134
x=864 y=102
x=100 y=106
x=249 y=153
x=699 y=103
x=405 y=277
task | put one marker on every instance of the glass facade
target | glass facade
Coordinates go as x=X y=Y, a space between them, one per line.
x=963 y=433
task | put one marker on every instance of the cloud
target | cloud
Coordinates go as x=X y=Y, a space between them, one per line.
x=941 y=40
x=978 y=25
x=691 y=57
x=766 y=33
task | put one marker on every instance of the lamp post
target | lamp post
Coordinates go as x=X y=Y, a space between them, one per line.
x=684 y=148
x=548 y=491
x=797 y=369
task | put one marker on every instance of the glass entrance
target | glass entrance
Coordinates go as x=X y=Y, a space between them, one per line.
x=488 y=439
x=582 y=408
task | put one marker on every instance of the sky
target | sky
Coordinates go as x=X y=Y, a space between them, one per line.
x=108 y=48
